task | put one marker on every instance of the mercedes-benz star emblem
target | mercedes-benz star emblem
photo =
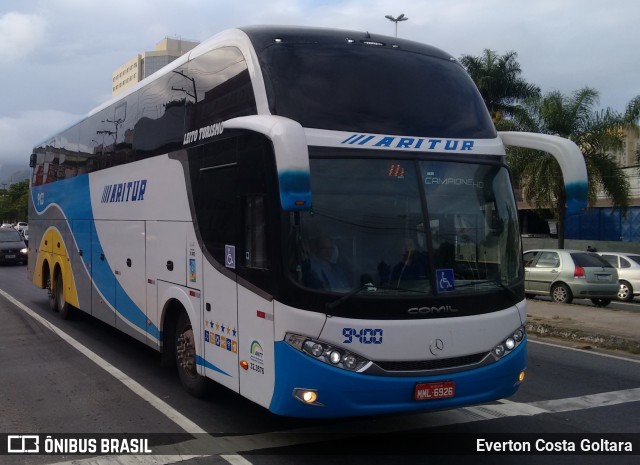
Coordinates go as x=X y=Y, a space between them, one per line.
x=436 y=347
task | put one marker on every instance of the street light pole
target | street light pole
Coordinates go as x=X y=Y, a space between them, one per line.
x=402 y=17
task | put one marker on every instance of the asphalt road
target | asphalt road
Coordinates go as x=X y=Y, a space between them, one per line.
x=82 y=376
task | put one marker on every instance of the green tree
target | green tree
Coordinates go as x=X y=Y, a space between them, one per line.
x=14 y=202
x=596 y=133
x=499 y=80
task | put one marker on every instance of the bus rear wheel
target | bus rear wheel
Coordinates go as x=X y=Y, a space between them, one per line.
x=185 y=346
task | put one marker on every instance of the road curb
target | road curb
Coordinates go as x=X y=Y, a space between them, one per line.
x=602 y=341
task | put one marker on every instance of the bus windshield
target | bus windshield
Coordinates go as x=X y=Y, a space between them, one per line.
x=406 y=227
x=411 y=94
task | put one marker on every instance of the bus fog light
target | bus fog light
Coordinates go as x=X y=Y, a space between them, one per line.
x=307 y=396
x=521 y=376
x=335 y=357
x=510 y=343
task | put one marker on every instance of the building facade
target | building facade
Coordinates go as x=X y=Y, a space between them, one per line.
x=146 y=63
x=601 y=222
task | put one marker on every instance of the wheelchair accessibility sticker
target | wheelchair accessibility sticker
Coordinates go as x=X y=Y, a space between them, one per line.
x=230 y=256
x=445 y=280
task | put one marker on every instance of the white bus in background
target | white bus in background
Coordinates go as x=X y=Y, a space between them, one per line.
x=322 y=221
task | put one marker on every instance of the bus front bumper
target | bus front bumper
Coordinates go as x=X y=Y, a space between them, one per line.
x=341 y=393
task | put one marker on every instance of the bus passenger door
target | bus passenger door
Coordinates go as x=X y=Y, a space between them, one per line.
x=259 y=199
x=255 y=305
x=216 y=202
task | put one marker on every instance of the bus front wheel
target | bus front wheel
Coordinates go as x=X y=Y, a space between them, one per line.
x=195 y=384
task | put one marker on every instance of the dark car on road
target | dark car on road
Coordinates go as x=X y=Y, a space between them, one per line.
x=12 y=247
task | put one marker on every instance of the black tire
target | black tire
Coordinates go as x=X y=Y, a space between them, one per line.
x=561 y=294
x=601 y=302
x=51 y=291
x=625 y=293
x=185 y=351
x=64 y=308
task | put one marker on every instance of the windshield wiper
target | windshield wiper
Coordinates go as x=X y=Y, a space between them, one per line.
x=368 y=286
x=497 y=282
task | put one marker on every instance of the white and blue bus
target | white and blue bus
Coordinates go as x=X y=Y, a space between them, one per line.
x=322 y=221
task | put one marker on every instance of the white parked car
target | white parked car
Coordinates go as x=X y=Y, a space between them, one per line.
x=628 y=266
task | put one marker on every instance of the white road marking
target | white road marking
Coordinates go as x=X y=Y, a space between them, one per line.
x=603 y=399
x=577 y=349
x=164 y=408
x=236 y=459
x=223 y=446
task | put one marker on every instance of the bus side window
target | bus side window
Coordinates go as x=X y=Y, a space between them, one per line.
x=255 y=238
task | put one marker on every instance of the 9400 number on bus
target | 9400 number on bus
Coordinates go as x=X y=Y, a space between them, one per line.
x=363 y=336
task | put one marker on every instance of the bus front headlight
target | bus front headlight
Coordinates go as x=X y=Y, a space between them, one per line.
x=327 y=353
x=509 y=343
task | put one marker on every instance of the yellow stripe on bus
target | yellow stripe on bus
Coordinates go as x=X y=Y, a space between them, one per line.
x=53 y=251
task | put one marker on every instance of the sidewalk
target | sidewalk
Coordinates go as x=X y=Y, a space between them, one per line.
x=605 y=328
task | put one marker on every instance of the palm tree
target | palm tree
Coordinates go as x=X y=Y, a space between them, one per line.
x=597 y=134
x=498 y=78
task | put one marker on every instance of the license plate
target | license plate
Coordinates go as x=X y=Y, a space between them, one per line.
x=9 y=256
x=432 y=391
x=602 y=277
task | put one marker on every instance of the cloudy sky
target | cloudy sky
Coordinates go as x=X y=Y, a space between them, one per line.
x=58 y=55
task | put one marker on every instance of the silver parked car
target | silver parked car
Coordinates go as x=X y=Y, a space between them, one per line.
x=568 y=274
x=628 y=266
